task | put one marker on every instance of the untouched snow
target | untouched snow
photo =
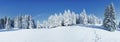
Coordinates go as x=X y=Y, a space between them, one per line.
x=76 y=33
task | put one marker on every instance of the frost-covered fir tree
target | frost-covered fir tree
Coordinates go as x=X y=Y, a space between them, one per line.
x=51 y=21
x=73 y=17
x=77 y=19
x=67 y=18
x=60 y=19
x=56 y=20
x=119 y=25
x=18 y=22
x=83 y=17
x=31 y=22
x=92 y=19
x=7 y=23
x=109 y=20
x=24 y=22
x=2 y=23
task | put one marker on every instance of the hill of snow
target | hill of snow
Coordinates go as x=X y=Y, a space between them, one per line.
x=76 y=33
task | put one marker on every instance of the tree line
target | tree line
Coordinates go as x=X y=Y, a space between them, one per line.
x=67 y=18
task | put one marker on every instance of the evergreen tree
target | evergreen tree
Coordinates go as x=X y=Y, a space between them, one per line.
x=119 y=25
x=17 y=22
x=109 y=20
x=31 y=22
x=73 y=17
x=67 y=18
x=2 y=22
x=83 y=17
x=60 y=19
x=77 y=19
x=7 y=23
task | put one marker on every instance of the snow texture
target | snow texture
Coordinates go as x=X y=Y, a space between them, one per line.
x=76 y=33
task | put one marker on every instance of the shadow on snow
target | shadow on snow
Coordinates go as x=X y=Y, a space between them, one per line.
x=94 y=26
x=5 y=30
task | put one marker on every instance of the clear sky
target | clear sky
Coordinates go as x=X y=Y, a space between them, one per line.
x=41 y=9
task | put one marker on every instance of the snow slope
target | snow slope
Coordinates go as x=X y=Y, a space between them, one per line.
x=75 y=33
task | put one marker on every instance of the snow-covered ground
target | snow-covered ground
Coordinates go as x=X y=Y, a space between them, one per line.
x=76 y=33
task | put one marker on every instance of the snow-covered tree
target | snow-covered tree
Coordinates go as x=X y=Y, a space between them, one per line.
x=56 y=20
x=7 y=23
x=109 y=20
x=25 y=24
x=77 y=19
x=31 y=22
x=60 y=19
x=73 y=17
x=2 y=23
x=119 y=25
x=67 y=18
x=92 y=19
x=18 y=22
x=51 y=21
x=83 y=17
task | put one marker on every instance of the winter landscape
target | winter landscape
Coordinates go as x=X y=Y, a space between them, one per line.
x=63 y=25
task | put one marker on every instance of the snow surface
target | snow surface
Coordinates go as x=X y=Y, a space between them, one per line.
x=76 y=33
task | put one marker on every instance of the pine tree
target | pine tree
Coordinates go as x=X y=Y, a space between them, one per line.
x=109 y=20
x=60 y=19
x=90 y=19
x=7 y=23
x=24 y=22
x=67 y=18
x=73 y=17
x=31 y=23
x=83 y=17
x=119 y=25
x=17 y=22
x=77 y=19
x=51 y=21
x=2 y=22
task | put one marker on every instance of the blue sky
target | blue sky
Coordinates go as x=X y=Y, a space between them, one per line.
x=41 y=9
